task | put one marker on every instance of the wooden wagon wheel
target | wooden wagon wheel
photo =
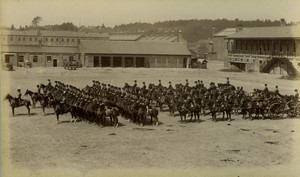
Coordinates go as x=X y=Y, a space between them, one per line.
x=276 y=110
x=297 y=110
x=291 y=108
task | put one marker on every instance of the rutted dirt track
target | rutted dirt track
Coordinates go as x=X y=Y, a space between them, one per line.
x=37 y=142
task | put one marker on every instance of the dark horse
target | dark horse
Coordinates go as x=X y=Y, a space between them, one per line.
x=15 y=102
x=60 y=109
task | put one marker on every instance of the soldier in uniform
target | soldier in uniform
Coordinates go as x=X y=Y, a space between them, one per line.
x=135 y=84
x=296 y=95
x=187 y=83
x=19 y=94
x=49 y=82
x=38 y=89
x=170 y=86
x=266 y=88
x=159 y=83
x=227 y=82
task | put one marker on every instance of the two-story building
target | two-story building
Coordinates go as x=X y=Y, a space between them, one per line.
x=265 y=49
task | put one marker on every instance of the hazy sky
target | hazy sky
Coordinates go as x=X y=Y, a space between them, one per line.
x=114 y=12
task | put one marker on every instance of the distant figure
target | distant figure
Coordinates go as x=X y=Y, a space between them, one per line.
x=49 y=82
x=296 y=94
x=227 y=81
x=266 y=88
x=135 y=84
x=19 y=94
x=159 y=83
x=170 y=85
x=187 y=83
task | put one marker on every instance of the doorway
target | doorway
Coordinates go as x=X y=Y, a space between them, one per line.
x=96 y=61
x=54 y=62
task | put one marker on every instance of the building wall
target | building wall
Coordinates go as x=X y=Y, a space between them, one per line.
x=220 y=47
x=150 y=61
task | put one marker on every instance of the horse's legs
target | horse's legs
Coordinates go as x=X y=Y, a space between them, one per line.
x=43 y=110
x=57 y=118
x=28 y=110
x=13 y=111
x=116 y=121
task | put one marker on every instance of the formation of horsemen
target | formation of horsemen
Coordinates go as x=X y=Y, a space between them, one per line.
x=140 y=105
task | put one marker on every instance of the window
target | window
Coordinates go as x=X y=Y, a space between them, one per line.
x=7 y=57
x=247 y=60
x=30 y=39
x=35 y=58
x=23 y=38
x=62 y=39
x=35 y=39
x=21 y=58
x=260 y=62
x=56 y=39
x=46 y=39
x=19 y=39
x=298 y=64
x=11 y=38
x=68 y=40
x=49 y=59
x=73 y=40
x=51 y=39
x=71 y=58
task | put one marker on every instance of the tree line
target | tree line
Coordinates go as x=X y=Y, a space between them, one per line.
x=192 y=30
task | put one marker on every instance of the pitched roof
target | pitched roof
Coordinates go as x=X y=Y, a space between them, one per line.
x=37 y=49
x=226 y=32
x=134 y=47
x=53 y=33
x=124 y=37
x=159 y=38
x=268 y=32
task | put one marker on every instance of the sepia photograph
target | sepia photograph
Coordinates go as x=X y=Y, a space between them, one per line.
x=150 y=88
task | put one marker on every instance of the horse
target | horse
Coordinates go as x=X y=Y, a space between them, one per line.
x=32 y=96
x=60 y=109
x=142 y=114
x=15 y=103
x=153 y=113
x=183 y=111
x=195 y=110
x=112 y=113
x=35 y=97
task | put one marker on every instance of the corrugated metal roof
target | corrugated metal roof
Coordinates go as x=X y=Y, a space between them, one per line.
x=124 y=37
x=53 y=33
x=37 y=49
x=159 y=38
x=225 y=32
x=268 y=32
x=134 y=47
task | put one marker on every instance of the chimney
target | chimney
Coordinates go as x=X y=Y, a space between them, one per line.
x=213 y=31
x=179 y=36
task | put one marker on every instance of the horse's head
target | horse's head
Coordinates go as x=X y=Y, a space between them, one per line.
x=27 y=92
x=8 y=97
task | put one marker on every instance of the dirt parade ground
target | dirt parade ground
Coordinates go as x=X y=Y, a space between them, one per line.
x=38 y=142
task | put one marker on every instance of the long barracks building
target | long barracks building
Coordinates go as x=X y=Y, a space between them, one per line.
x=54 y=48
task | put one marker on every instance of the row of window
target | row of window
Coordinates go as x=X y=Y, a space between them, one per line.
x=265 y=46
x=35 y=39
x=35 y=58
